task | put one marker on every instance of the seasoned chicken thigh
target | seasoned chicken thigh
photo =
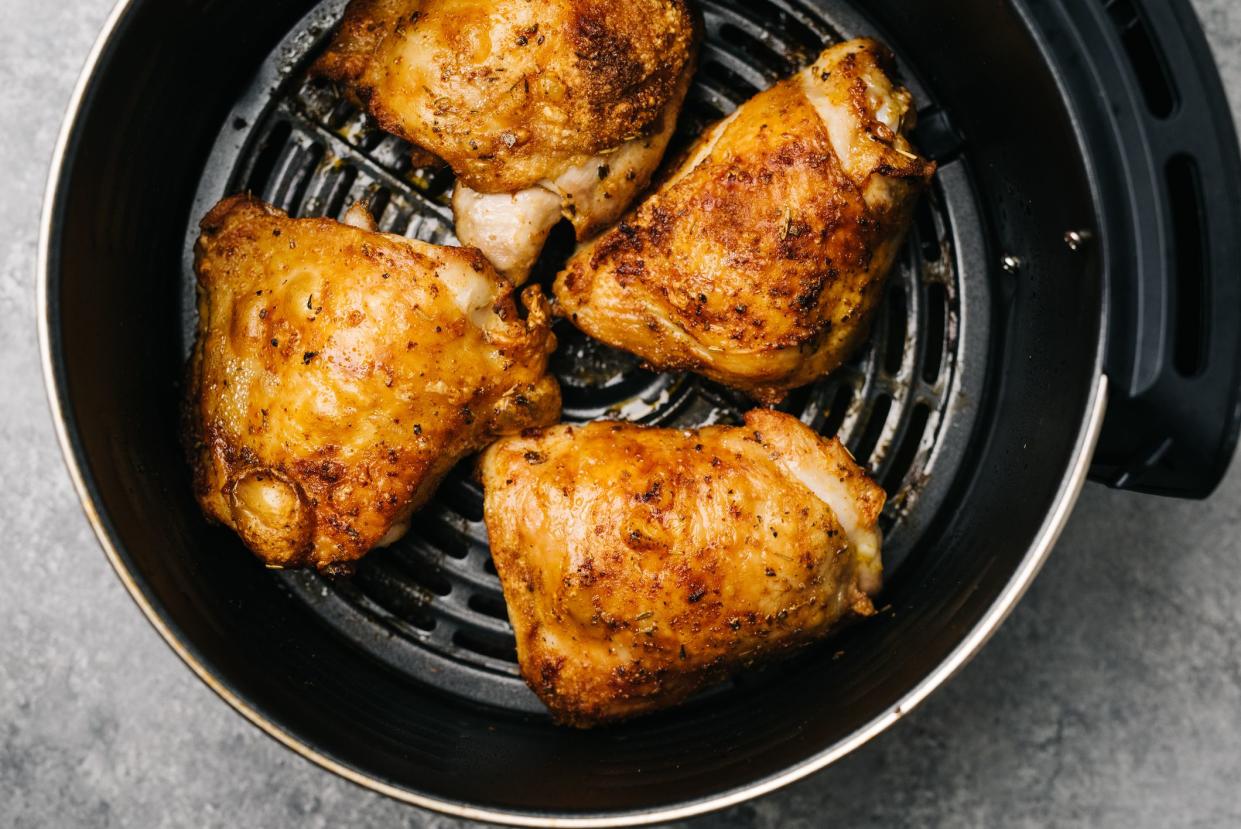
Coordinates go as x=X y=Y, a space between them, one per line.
x=759 y=261
x=339 y=373
x=641 y=564
x=543 y=110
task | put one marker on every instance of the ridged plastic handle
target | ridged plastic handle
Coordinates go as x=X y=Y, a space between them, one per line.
x=1172 y=253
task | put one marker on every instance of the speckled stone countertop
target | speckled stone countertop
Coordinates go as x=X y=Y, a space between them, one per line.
x=1112 y=697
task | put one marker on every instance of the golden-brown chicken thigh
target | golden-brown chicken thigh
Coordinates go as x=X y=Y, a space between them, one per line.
x=339 y=373
x=641 y=564
x=543 y=109
x=759 y=261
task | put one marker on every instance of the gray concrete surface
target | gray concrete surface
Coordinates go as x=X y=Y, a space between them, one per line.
x=1111 y=698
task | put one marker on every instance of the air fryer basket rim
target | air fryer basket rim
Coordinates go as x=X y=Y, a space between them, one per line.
x=51 y=226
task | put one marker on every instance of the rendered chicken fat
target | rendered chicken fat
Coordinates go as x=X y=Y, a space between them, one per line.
x=641 y=564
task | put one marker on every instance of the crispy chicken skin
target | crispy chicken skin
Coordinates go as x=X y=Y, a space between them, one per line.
x=759 y=261
x=543 y=109
x=339 y=373
x=641 y=564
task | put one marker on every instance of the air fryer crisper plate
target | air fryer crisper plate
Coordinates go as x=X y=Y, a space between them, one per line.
x=431 y=606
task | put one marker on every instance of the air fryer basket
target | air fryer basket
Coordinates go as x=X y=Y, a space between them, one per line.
x=431 y=607
x=1070 y=229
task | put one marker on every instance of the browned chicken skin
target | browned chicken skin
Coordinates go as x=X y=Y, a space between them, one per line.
x=339 y=373
x=759 y=261
x=543 y=109
x=641 y=564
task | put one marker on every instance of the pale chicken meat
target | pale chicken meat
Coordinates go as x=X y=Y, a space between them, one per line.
x=640 y=564
x=759 y=261
x=340 y=373
x=560 y=108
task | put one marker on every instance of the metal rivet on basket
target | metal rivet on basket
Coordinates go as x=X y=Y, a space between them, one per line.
x=1077 y=239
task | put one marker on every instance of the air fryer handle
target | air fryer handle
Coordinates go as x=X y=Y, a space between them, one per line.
x=1173 y=276
x=1174 y=357
x=1176 y=441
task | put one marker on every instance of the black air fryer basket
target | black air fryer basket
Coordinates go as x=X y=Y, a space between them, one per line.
x=1078 y=254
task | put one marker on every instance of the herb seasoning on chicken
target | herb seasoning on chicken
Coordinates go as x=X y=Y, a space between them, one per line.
x=760 y=260
x=641 y=564
x=339 y=373
x=544 y=110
